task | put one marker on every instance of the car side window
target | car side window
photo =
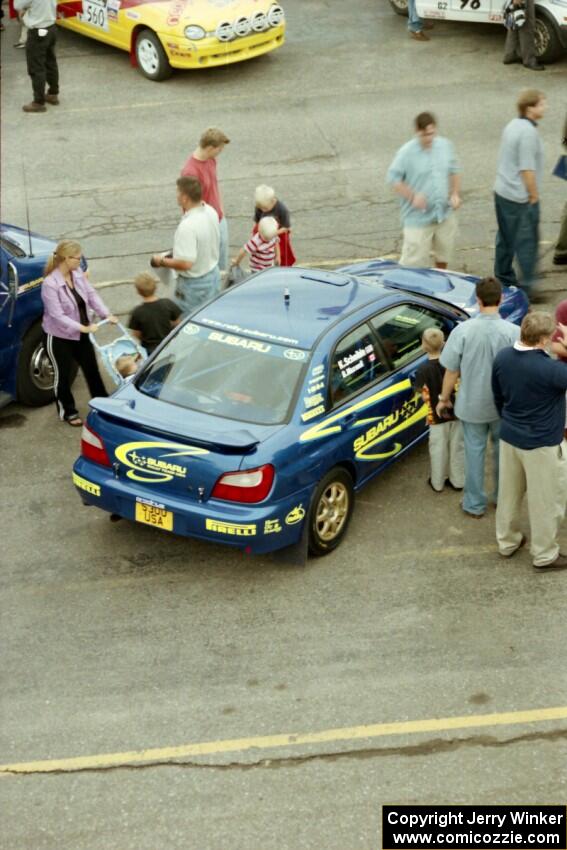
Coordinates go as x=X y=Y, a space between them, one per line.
x=400 y=330
x=356 y=364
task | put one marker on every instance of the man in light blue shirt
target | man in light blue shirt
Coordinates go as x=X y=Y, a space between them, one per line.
x=468 y=357
x=425 y=174
x=516 y=193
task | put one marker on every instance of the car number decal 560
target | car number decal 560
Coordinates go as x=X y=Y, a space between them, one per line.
x=95 y=14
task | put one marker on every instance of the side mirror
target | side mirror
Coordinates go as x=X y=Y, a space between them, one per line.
x=13 y=286
x=13 y=281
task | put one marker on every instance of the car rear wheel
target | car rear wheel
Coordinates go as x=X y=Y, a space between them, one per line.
x=331 y=510
x=400 y=7
x=150 y=56
x=34 y=380
x=548 y=46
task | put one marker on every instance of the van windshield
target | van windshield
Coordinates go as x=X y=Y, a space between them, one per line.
x=225 y=375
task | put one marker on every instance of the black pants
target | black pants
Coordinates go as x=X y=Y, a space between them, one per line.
x=42 y=63
x=62 y=353
x=517 y=237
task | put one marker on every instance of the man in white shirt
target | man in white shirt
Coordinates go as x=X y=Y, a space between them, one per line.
x=195 y=256
x=39 y=18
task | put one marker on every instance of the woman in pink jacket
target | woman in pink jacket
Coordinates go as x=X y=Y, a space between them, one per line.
x=67 y=297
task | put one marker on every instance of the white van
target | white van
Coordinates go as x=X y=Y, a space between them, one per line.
x=551 y=19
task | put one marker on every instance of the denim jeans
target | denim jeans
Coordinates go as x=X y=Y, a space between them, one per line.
x=191 y=292
x=517 y=236
x=476 y=438
x=223 y=247
x=415 y=24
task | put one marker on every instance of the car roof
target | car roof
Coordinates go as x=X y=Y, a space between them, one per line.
x=258 y=307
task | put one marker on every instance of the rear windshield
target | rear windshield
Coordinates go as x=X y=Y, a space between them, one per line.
x=225 y=375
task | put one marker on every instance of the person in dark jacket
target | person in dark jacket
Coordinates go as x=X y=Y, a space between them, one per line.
x=529 y=393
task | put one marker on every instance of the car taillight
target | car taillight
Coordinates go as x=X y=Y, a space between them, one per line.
x=92 y=447
x=251 y=485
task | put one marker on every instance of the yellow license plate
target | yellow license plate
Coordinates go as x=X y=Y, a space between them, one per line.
x=150 y=515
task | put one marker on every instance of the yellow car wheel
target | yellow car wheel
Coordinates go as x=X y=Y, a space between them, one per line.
x=150 y=56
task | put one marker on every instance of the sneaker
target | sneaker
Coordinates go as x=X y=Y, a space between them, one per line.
x=19 y=45
x=560 y=260
x=34 y=107
x=522 y=543
x=53 y=99
x=560 y=563
x=419 y=36
x=534 y=66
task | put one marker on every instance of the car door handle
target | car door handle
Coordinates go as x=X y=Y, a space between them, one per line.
x=350 y=418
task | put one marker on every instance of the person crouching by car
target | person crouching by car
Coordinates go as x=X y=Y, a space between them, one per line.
x=67 y=297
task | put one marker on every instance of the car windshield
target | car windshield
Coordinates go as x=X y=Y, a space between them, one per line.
x=225 y=375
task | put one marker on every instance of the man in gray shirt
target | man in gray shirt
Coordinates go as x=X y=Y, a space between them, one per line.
x=39 y=18
x=468 y=357
x=516 y=193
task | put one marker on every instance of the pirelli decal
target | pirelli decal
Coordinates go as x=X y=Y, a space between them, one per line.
x=237 y=529
x=85 y=485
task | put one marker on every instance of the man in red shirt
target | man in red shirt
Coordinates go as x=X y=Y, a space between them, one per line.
x=202 y=165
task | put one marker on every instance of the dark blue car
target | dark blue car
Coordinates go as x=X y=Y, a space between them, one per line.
x=25 y=370
x=260 y=417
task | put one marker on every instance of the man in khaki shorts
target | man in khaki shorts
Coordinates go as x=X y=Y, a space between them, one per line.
x=425 y=174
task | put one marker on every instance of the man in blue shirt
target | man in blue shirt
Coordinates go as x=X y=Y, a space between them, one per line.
x=516 y=193
x=425 y=174
x=468 y=357
x=529 y=392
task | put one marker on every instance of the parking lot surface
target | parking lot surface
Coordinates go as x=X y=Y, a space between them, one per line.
x=126 y=649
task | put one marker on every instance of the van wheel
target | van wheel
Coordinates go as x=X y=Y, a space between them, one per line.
x=400 y=7
x=548 y=47
x=331 y=510
x=150 y=56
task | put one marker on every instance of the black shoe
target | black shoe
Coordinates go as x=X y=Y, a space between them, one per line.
x=452 y=486
x=432 y=487
x=535 y=66
x=560 y=260
x=522 y=543
x=511 y=60
x=560 y=563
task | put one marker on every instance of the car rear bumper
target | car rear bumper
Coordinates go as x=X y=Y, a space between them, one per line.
x=185 y=54
x=258 y=529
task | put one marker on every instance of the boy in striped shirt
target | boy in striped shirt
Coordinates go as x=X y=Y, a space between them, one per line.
x=263 y=247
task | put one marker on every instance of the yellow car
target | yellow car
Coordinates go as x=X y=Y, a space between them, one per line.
x=165 y=34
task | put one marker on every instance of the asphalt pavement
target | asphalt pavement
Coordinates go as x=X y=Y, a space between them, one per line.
x=165 y=693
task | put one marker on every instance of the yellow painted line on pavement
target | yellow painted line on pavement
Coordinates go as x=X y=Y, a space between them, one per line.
x=270 y=742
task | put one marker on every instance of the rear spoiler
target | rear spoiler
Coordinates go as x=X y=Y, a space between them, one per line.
x=238 y=441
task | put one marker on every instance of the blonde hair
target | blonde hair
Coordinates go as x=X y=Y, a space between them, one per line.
x=433 y=340
x=213 y=138
x=145 y=284
x=264 y=196
x=535 y=327
x=268 y=227
x=127 y=364
x=527 y=98
x=65 y=248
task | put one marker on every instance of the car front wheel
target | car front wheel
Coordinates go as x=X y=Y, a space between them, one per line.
x=400 y=7
x=150 y=56
x=331 y=510
x=34 y=379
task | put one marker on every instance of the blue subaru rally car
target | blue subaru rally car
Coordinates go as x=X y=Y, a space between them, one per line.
x=260 y=416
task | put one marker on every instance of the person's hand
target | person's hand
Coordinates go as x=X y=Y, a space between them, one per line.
x=113 y=319
x=455 y=200
x=156 y=261
x=235 y=261
x=563 y=329
x=442 y=406
x=419 y=201
x=89 y=329
x=533 y=199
